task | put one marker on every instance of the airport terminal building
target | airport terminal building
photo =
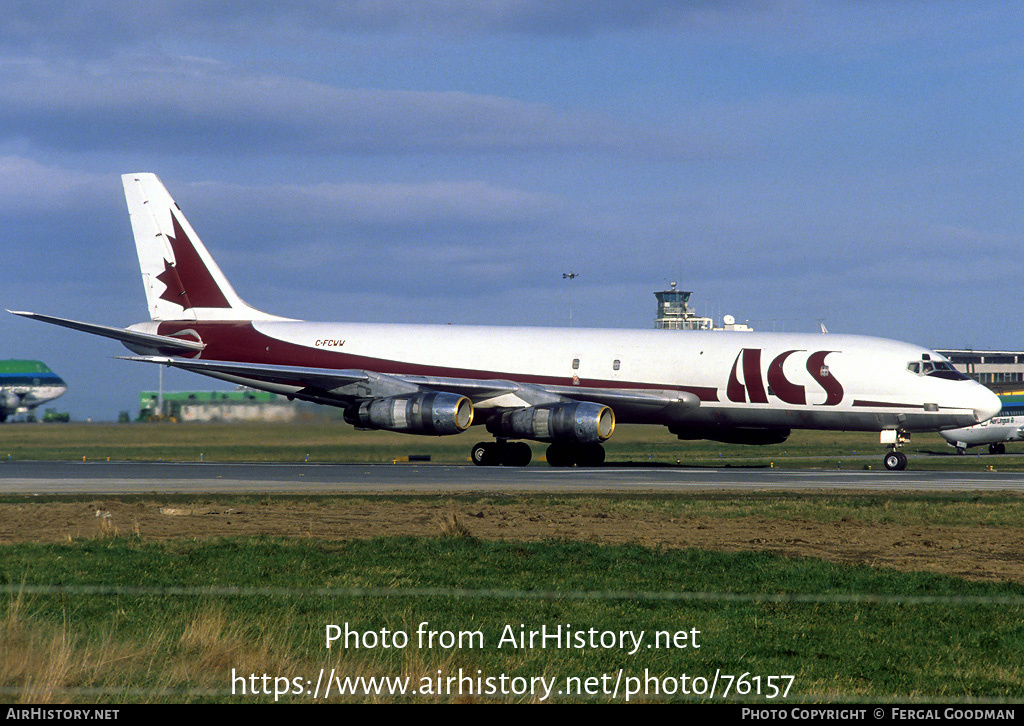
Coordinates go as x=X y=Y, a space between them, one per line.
x=1000 y=370
x=229 y=406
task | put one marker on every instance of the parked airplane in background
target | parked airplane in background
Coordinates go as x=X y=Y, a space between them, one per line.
x=1005 y=426
x=564 y=387
x=25 y=384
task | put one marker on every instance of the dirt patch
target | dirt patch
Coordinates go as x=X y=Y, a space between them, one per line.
x=976 y=553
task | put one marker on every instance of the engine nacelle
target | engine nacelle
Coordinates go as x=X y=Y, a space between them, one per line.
x=9 y=401
x=580 y=422
x=748 y=436
x=433 y=412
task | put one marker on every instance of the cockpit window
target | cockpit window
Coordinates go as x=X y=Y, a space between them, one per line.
x=936 y=369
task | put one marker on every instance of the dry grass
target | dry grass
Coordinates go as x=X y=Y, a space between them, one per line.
x=212 y=656
x=451 y=524
x=37 y=665
x=41 y=664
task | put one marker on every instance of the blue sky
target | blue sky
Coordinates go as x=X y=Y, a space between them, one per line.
x=790 y=161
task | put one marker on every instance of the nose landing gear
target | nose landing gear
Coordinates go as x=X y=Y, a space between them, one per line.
x=895 y=460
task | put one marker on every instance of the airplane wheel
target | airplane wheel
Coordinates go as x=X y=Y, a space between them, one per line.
x=486 y=453
x=895 y=461
x=561 y=455
x=516 y=454
x=996 y=449
x=960 y=451
x=590 y=455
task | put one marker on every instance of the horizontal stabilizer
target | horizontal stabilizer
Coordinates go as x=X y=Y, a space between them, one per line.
x=128 y=337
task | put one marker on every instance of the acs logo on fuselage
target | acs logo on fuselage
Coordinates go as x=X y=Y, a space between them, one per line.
x=752 y=387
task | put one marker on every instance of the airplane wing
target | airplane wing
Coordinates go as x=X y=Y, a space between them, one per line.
x=345 y=386
x=326 y=379
x=536 y=395
x=342 y=385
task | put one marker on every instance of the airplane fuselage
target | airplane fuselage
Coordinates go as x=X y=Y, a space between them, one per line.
x=760 y=380
x=997 y=430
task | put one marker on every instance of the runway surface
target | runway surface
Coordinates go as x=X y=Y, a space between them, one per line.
x=38 y=478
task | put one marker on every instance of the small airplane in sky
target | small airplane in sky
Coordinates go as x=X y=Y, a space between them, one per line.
x=566 y=387
x=1004 y=427
x=26 y=384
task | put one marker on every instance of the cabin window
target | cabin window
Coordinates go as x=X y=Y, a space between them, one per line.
x=575 y=364
x=615 y=365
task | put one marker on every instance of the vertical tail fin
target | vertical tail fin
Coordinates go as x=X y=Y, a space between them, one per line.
x=182 y=280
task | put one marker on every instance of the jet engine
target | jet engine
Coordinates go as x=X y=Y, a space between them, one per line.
x=578 y=422
x=749 y=436
x=9 y=401
x=433 y=412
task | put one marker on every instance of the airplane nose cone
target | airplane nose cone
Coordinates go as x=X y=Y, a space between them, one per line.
x=986 y=404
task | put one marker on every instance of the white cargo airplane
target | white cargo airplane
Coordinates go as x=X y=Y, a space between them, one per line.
x=1004 y=427
x=565 y=387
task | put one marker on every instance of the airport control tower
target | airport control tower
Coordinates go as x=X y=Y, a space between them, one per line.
x=675 y=313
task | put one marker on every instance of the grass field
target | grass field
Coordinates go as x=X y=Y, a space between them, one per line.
x=119 y=615
x=139 y=622
x=337 y=442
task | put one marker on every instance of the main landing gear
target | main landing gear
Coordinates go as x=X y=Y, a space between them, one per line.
x=575 y=454
x=517 y=453
x=895 y=460
x=501 y=453
x=994 y=449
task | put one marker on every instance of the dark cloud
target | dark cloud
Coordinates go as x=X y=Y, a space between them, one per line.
x=187 y=104
x=100 y=26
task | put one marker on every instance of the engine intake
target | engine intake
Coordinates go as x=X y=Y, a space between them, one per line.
x=580 y=422
x=433 y=412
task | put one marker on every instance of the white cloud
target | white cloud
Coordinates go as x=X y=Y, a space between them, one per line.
x=27 y=185
x=392 y=205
